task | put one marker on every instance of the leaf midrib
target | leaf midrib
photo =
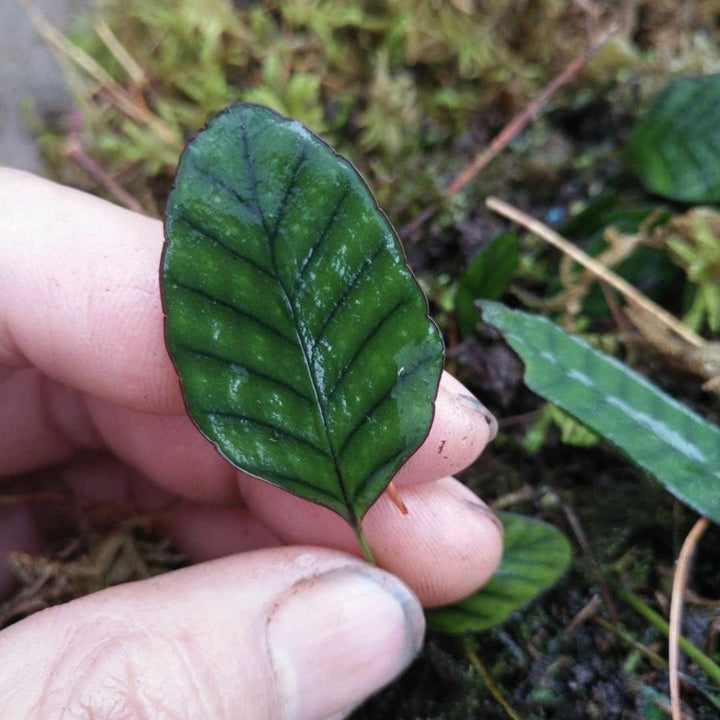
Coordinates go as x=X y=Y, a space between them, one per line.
x=290 y=305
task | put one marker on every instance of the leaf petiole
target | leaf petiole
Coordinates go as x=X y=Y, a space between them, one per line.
x=364 y=545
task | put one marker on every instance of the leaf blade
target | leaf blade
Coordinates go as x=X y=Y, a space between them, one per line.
x=486 y=276
x=535 y=556
x=303 y=343
x=675 y=148
x=659 y=434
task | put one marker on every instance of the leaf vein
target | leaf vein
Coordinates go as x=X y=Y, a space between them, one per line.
x=339 y=302
x=387 y=395
x=299 y=342
x=254 y=197
x=363 y=344
x=217 y=182
x=391 y=459
x=233 y=308
x=282 y=207
x=322 y=238
x=242 y=417
x=258 y=373
x=194 y=225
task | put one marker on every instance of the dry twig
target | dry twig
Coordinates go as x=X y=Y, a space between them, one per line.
x=682 y=571
x=511 y=129
x=530 y=112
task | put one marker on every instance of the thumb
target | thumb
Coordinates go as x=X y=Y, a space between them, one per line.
x=281 y=633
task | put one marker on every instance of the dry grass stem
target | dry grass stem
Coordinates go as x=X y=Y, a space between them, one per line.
x=630 y=293
x=120 y=97
x=133 y=70
x=682 y=571
x=528 y=113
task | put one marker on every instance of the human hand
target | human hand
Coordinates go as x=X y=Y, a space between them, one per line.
x=267 y=624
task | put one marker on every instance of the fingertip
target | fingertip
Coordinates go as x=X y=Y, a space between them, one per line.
x=336 y=639
x=448 y=545
x=461 y=429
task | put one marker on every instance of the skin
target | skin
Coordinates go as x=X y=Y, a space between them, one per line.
x=278 y=618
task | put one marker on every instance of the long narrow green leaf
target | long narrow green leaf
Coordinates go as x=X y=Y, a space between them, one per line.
x=663 y=437
x=535 y=555
x=301 y=338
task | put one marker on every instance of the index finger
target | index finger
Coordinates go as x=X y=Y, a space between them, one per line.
x=79 y=300
x=79 y=294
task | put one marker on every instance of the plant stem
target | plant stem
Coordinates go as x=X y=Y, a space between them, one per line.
x=630 y=293
x=658 y=621
x=682 y=570
x=364 y=545
x=481 y=670
x=646 y=652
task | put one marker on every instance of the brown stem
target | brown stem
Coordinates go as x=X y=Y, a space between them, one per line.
x=524 y=117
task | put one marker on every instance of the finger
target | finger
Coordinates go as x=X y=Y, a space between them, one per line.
x=292 y=633
x=85 y=309
x=205 y=532
x=447 y=546
x=79 y=293
x=41 y=423
x=168 y=450
x=107 y=492
x=95 y=490
x=173 y=453
x=17 y=533
x=461 y=429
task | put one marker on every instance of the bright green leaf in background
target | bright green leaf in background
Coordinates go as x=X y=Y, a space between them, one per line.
x=659 y=434
x=572 y=432
x=675 y=148
x=535 y=556
x=486 y=277
x=301 y=338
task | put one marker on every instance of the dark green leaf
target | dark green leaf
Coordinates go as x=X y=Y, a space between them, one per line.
x=649 y=269
x=659 y=434
x=535 y=556
x=675 y=148
x=301 y=338
x=486 y=277
x=622 y=211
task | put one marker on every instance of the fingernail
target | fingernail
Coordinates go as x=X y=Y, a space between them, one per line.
x=468 y=498
x=472 y=402
x=335 y=639
x=488 y=512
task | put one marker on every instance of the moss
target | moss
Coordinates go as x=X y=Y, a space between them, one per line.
x=395 y=85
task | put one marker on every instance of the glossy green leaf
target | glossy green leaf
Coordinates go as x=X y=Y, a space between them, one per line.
x=301 y=338
x=535 y=556
x=663 y=437
x=675 y=148
x=486 y=277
